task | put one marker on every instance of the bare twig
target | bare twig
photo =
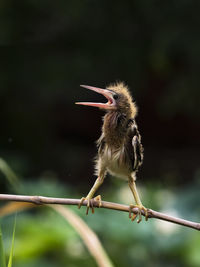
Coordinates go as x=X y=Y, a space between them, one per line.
x=40 y=200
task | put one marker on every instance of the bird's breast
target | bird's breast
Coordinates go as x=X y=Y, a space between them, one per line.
x=116 y=162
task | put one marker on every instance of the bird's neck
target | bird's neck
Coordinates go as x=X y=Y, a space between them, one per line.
x=115 y=128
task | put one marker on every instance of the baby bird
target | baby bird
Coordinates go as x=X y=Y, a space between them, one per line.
x=120 y=151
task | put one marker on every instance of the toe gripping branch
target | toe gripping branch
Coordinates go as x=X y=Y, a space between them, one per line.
x=141 y=211
x=90 y=203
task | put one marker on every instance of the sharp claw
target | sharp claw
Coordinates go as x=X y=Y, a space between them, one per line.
x=133 y=217
x=91 y=205
x=88 y=206
x=81 y=202
x=146 y=214
x=87 y=210
x=129 y=214
x=140 y=216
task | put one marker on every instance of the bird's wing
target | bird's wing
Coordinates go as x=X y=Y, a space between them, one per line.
x=136 y=145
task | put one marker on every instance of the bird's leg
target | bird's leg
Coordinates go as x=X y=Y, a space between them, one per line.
x=138 y=205
x=90 y=195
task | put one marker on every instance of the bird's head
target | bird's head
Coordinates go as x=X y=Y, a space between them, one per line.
x=119 y=99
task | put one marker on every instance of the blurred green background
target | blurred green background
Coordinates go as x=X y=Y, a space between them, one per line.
x=47 y=49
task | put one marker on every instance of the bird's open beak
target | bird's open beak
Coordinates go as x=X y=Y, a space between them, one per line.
x=107 y=93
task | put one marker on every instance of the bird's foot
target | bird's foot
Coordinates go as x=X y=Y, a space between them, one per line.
x=139 y=213
x=90 y=203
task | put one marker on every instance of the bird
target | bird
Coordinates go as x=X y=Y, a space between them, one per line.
x=120 y=151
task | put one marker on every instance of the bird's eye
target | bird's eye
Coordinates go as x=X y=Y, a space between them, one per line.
x=115 y=96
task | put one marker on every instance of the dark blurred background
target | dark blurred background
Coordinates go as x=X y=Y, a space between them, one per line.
x=49 y=48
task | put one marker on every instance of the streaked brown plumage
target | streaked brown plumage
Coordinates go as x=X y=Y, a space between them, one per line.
x=120 y=151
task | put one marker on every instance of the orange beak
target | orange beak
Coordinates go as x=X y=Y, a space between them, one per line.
x=111 y=104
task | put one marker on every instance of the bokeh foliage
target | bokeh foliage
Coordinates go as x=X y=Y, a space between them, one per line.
x=49 y=48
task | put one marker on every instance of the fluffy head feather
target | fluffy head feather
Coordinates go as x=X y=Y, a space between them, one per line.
x=125 y=103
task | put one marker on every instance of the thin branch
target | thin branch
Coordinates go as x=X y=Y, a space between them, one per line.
x=40 y=200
